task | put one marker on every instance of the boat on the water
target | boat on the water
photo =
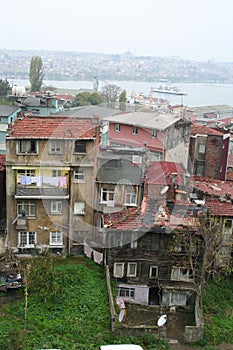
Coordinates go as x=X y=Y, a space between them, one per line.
x=168 y=89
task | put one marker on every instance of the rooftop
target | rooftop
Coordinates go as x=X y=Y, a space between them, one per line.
x=53 y=127
x=150 y=120
x=204 y=130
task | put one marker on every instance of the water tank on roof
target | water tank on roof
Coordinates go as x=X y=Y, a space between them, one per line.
x=18 y=90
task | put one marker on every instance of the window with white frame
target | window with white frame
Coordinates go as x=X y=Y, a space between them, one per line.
x=26 y=208
x=153 y=273
x=170 y=298
x=154 y=133
x=56 y=173
x=79 y=208
x=27 y=239
x=201 y=147
x=24 y=172
x=55 y=146
x=132 y=269
x=126 y=292
x=27 y=146
x=178 y=298
x=56 y=238
x=131 y=197
x=135 y=130
x=118 y=127
x=56 y=207
x=118 y=270
x=107 y=195
x=136 y=159
x=181 y=274
x=79 y=175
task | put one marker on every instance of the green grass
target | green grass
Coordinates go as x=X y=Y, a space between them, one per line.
x=218 y=312
x=77 y=319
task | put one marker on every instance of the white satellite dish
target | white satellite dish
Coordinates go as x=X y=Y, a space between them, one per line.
x=121 y=315
x=162 y=320
x=164 y=190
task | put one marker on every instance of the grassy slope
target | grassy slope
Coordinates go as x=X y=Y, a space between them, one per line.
x=79 y=319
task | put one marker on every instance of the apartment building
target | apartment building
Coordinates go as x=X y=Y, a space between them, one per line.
x=50 y=163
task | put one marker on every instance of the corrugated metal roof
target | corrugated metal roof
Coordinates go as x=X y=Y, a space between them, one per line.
x=89 y=111
x=210 y=109
x=150 y=120
x=7 y=111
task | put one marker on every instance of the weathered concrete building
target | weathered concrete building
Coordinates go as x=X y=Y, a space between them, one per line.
x=50 y=164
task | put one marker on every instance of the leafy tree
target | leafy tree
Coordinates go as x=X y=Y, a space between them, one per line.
x=122 y=100
x=36 y=74
x=111 y=93
x=86 y=99
x=95 y=99
x=4 y=87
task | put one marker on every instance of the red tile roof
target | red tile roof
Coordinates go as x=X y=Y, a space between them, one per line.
x=148 y=217
x=53 y=127
x=160 y=173
x=204 y=130
x=212 y=187
x=218 y=208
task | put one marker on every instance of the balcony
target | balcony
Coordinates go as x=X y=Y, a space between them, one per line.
x=40 y=187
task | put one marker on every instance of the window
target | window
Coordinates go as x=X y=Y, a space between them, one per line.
x=56 y=207
x=134 y=241
x=80 y=146
x=56 y=173
x=153 y=273
x=79 y=208
x=27 y=239
x=155 y=241
x=136 y=159
x=199 y=169
x=228 y=223
x=132 y=270
x=27 y=146
x=130 y=198
x=181 y=274
x=126 y=292
x=79 y=175
x=55 y=146
x=107 y=195
x=201 y=147
x=26 y=208
x=24 y=172
x=135 y=130
x=118 y=270
x=56 y=238
x=118 y=127
x=178 y=298
x=154 y=133
x=173 y=298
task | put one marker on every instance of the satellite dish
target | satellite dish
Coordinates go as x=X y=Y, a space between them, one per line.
x=121 y=315
x=164 y=190
x=162 y=320
x=199 y=201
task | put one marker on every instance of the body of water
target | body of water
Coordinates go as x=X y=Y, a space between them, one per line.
x=197 y=94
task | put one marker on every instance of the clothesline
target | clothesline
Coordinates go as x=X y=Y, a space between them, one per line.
x=40 y=180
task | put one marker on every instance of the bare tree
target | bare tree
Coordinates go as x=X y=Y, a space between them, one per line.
x=110 y=94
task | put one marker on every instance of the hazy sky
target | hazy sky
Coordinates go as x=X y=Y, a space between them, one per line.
x=193 y=29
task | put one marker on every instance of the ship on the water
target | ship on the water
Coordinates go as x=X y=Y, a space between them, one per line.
x=168 y=89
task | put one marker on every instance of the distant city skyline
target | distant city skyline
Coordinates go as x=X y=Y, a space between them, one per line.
x=196 y=30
